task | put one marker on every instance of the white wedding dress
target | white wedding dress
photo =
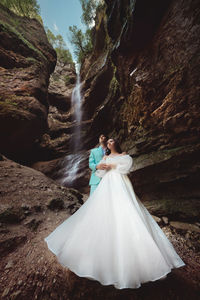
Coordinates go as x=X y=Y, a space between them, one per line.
x=112 y=238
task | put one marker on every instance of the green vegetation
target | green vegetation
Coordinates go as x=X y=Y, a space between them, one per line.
x=55 y=77
x=31 y=60
x=9 y=28
x=11 y=103
x=69 y=80
x=89 y=8
x=24 y=8
x=10 y=100
x=83 y=41
x=11 y=110
x=114 y=84
x=57 y=42
x=7 y=102
x=8 y=108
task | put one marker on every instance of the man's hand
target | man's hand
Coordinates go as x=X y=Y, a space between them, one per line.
x=101 y=167
x=105 y=166
x=110 y=166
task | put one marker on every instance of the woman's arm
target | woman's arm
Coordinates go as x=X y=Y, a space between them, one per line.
x=125 y=164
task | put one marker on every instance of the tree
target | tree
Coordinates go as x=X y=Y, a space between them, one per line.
x=27 y=8
x=89 y=11
x=64 y=55
x=81 y=41
x=89 y=8
x=51 y=37
x=57 y=42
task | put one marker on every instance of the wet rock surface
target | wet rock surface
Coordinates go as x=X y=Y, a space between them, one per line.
x=70 y=171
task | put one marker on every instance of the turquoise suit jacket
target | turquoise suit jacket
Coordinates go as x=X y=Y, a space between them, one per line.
x=96 y=155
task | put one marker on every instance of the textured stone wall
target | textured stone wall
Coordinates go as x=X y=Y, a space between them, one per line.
x=143 y=88
x=26 y=62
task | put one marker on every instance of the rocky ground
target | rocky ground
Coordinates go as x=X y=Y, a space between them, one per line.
x=32 y=206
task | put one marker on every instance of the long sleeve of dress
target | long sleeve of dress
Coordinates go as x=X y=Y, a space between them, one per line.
x=124 y=164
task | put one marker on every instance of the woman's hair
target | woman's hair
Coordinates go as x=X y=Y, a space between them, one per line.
x=107 y=152
x=117 y=147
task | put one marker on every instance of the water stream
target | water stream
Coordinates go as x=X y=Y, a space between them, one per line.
x=76 y=101
x=72 y=163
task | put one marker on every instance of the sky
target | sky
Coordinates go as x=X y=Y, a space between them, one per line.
x=58 y=15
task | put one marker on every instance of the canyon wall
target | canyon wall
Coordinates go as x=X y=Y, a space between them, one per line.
x=36 y=122
x=56 y=141
x=141 y=86
x=27 y=60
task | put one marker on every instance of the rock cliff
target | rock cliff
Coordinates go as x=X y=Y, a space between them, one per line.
x=27 y=60
x=142 y=86
x=56 y=141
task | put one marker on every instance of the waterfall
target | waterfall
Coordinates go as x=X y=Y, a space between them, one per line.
x=72 y=163
x=76 y=105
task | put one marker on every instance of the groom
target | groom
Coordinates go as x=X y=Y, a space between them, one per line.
x=96 y=155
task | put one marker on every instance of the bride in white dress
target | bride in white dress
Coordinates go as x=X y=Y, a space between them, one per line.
x=112 y=238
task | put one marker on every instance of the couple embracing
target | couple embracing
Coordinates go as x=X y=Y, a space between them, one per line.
x=97 y=155
x=112 y=238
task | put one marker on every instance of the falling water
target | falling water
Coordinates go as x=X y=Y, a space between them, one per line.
x=76 y=105
x=72 y=162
